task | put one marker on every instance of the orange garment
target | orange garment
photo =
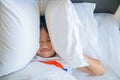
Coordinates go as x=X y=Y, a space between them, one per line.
x=53 y=62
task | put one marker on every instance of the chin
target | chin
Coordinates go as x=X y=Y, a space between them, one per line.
x=46 y=56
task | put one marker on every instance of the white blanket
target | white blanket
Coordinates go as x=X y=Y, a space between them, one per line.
x=39 y=71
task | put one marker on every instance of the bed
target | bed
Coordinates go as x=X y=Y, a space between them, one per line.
x=104 y=16
x=109 y=36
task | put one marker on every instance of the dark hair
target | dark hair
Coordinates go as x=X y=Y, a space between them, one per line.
x=43 y=23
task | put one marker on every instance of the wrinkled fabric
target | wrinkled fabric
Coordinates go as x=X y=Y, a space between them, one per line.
x=63 y=27
x=19 y=33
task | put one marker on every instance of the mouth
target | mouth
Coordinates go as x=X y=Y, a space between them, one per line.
x=44 y=50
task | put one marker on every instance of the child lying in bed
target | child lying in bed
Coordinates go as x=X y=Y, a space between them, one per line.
x=47 y=55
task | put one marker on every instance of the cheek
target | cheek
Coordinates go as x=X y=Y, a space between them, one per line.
x=50 y=46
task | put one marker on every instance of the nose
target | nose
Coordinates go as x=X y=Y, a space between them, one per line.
x=44 y=45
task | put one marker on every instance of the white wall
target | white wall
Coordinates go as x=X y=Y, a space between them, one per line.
x=117 y=14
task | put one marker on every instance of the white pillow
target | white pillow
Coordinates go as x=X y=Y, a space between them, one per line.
x=63 y=26
x=19 y=33
x=89 y=30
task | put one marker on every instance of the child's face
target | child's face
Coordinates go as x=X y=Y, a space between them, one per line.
x=46 y=49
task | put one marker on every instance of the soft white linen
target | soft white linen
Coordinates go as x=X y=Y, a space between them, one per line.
x=109 y=38
x=19 y=33
x=89 y=37
x=109 y=41
x=63 y=27
x=39 y=71
x=108 y=31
